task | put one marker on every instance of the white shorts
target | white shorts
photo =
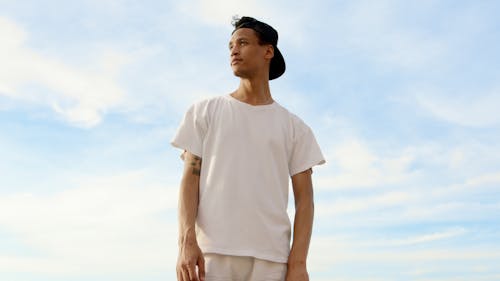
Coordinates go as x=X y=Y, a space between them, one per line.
x=234 y=268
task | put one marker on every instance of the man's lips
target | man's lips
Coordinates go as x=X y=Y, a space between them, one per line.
x=234 y=61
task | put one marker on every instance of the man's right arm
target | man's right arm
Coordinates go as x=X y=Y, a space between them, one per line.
x=190 y=254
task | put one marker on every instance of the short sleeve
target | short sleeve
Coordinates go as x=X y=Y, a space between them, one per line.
x=192 y=130
x=305 y=152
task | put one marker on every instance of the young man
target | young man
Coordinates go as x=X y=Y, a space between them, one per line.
x=239 y=152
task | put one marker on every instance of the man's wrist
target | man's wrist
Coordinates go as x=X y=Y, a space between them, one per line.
x=187 y=236
x=296 y=262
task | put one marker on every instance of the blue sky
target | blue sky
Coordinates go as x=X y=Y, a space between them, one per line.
x=403 y=97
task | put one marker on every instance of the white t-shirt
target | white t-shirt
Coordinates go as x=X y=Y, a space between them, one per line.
x=248 y=154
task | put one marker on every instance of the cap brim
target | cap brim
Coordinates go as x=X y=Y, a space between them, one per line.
x=277 y=67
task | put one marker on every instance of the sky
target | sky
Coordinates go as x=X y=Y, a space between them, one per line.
x=403 y=98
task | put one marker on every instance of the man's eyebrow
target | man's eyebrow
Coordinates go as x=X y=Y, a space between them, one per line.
x=239 y=39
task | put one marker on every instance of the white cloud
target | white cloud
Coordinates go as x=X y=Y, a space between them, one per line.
x=449 y=233
x=374 y=184
x=111 y=224
x=13 y=34
x=329 y=253
x=397 y=208
x=485 y=179
x=80 y=96
x=471 y=110
x=482 y=183
x=426 y=255
x=356 y=165
x=217 y=11
x=357 y=204
x=292 y=30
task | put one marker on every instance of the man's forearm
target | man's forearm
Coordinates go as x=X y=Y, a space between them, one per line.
x=188 y=208
x=189 y=198
x=302 y=230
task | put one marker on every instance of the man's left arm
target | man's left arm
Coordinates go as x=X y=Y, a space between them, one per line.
x=302 y=228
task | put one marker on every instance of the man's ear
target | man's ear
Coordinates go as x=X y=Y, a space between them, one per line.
x=269 y=52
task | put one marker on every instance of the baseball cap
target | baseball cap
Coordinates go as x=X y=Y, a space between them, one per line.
x=268 y=35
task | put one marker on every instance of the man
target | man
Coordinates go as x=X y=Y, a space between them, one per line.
x=239 y=152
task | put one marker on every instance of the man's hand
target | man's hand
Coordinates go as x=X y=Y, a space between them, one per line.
x=297 y=273
x=190 y=257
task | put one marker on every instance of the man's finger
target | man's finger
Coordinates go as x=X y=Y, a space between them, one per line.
x=201 y=268
x=185 y=274
x=192 y=273
x=179 y=275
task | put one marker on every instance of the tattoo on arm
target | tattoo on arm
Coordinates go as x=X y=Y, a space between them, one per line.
x=196 y=165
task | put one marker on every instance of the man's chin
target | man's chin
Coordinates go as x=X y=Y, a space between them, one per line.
x=238 y=74
x=241 y=74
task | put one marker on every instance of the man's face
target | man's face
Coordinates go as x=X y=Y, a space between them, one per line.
x=247 y=56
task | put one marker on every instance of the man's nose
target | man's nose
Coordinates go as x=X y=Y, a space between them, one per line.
x=234 y=51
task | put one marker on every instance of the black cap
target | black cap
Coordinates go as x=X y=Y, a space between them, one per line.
x=267 y=34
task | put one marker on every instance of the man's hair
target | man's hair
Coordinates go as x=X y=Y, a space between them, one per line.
x=247 y=21
x=266 y=33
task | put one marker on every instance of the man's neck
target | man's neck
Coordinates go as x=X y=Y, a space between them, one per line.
x=254 y=92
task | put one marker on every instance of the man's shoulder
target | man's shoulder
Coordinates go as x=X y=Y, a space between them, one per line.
x=291 y=116
x=296 y=124
x=208 y=101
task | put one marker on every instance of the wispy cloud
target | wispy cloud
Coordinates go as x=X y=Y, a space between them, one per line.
x=79 y=95
x=357 y=204
x=335 y=253
x=464 y=109
x=292 y=30
x=108 y=224
x=418 y=263
x=356 y=165
x=430 y=237
x=220 y=11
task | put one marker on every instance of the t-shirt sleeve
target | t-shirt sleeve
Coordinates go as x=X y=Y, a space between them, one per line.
x=191 y=131
x=306 y=152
